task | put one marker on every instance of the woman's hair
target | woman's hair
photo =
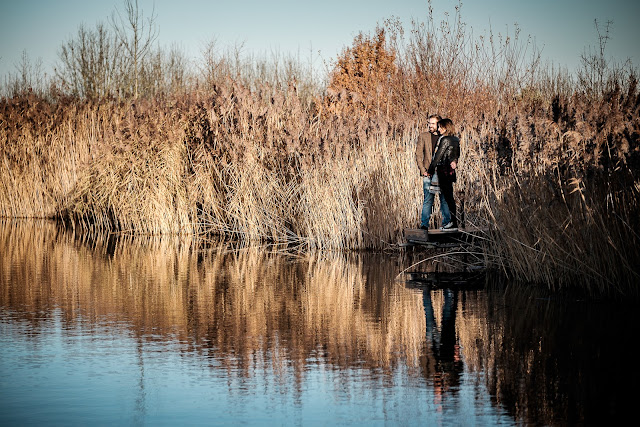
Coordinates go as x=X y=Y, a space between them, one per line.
x=447 y=124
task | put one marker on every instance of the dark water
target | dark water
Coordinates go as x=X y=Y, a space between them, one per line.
x=168 y=332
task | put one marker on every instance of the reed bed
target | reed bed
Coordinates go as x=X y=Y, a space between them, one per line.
x=549 y=161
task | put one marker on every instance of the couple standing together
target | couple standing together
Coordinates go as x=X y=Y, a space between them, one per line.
x=437 y=153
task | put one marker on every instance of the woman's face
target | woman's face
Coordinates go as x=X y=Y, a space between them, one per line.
x=441 y=130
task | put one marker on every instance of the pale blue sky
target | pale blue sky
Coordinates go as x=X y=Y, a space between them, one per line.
x=562 y=28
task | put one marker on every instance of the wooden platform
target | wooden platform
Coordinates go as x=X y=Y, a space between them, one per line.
x=444 y=238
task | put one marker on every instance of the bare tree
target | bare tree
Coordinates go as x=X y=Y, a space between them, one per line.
x=29 y=77
x=136 y=35
x=89 y=63
x=176 y=70
x=120 y=59
x=592 y=74
x=212 y=64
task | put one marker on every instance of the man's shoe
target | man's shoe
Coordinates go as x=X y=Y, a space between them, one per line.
x=449 y=227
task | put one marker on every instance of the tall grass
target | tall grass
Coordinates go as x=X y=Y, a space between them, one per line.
x=267 y=153
x=236 y=163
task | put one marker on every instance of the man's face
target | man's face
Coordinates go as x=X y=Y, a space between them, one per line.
x=433 y=125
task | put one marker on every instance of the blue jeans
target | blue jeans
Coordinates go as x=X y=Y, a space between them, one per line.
x=427 y=205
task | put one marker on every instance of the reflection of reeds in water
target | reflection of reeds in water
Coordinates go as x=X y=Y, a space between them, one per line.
x=503 y=350
x=237 y=306
x=549 y=360
x=336 y=301
x=248 y=311
x=44 y=268
x=477 y=341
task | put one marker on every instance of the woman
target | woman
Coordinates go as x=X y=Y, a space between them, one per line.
x=444 y=163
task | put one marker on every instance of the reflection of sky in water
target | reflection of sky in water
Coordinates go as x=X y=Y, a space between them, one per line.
x=102 y=374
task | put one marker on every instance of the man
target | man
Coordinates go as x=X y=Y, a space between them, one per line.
x=425 y=149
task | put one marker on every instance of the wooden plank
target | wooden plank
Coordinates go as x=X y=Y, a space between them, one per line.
x=416 y=235
x=437 y=237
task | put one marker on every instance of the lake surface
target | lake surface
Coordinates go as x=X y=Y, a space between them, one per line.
x=143 y=331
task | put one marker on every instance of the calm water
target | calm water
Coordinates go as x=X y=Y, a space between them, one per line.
x=163 y=332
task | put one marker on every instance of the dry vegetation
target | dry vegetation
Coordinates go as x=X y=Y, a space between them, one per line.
x=264 y=152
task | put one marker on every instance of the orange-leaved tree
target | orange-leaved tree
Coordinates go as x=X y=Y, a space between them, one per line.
x=362 y=74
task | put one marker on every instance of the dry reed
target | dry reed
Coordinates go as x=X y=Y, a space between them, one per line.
x=549 y=162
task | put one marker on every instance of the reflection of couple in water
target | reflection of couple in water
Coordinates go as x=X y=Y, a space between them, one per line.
x=443 y=363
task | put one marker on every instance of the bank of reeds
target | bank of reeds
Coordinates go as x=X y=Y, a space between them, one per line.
x=231 y=163
x=549 y=161
x=563 y=194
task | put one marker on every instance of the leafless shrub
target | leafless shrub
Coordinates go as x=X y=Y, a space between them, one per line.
x=90 y=64
x=28 y=78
